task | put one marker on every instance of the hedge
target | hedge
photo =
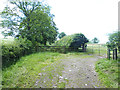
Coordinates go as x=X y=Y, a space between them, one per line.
x=12 y=51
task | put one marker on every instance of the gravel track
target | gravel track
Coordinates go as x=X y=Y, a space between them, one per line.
x=72 y=72
x=81 y=73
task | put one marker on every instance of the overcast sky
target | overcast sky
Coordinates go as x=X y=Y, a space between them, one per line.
x=93 y=18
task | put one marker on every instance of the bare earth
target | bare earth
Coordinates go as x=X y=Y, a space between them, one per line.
x=77 y=72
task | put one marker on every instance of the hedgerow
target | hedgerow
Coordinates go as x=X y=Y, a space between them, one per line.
x=14 y=50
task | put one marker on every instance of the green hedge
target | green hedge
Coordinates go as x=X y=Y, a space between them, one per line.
x=11 y=51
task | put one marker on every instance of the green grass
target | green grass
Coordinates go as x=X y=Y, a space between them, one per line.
x=107 y=69
x=24 y=73
x=61 y=85
x=108 y=72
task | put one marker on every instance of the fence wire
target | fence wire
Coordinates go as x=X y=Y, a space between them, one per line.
x=97 y=49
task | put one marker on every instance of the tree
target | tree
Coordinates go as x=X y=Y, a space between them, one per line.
x=62 y=34
x=33 y=21
x=95 y=40
x=42 y=25
x=114 y=40
x=75 y=41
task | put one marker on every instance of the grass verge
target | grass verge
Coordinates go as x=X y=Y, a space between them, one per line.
x=25 y=72
x=108 y=72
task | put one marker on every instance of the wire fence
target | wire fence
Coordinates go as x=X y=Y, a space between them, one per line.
x=97 y=49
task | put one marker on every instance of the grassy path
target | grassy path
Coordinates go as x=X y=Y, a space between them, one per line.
x=75 y=71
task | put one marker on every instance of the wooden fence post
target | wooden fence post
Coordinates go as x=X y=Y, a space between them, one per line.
x=92 y=49
x=108 y=54
x=113 y=54
x=64 y=49
x=99 y=49
x=116 y=54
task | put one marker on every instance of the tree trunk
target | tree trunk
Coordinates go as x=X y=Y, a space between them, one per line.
x=83 y=47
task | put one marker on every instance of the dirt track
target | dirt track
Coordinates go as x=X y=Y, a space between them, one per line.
x=77 y=72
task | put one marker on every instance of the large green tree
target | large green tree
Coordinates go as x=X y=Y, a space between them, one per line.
x=32 y=20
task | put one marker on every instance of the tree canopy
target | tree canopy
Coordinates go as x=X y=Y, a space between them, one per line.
x=75 y=40
x=114 y=40
x=31 y=20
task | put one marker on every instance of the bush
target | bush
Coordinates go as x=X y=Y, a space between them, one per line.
x=14 y=50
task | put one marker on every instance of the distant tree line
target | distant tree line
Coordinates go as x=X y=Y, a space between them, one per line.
x=95 y=40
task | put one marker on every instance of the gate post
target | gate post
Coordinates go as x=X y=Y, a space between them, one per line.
x=113 y=54
x=64 y=47
x=108 y=54
x=99 y=49
x=116 y=54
